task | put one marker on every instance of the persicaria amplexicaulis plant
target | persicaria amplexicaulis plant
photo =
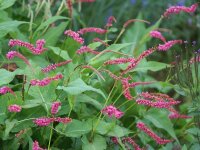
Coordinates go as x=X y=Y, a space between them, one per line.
x=84 y=94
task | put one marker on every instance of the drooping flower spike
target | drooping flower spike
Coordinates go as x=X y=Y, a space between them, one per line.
x=110 y=21
x=158 y=35
x=149 y=132
x=101 y=41
x=168 y=45
x=69 y=7
x=119 y=61
x=87 y=1
x=12 y=54
x=85 y=49
x=178 y=9
x=157 y=104
x=126 y=88
x=54 y=66
x=136 y=62
x=5 y=89
x=45 y=81
x=92 y=29
x=75 y=36
x=35 y=50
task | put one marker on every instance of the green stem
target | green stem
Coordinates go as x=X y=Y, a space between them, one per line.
x=120 y=34
x=99 y=118
x=51 y=133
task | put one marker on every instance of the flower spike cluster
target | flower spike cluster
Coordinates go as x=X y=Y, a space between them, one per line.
x=45 y=81
x=159 y=140
x=178 y=9
x=45 y=121
x=112 y=111
x=75 y=36
x=35 y=50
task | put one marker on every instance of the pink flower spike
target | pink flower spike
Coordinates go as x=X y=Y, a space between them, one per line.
x=178 y=9
x=36 y=146
x=35 y=50
x=5 y=89
x=54 y=107
x=168 y=45
x=87 y=1
x=75 y=36
x=43 y=121
x=54 y=66
x=12 y=54
x=119 y=61
x=110 y=21
x=159 y=140
x=158 y=35
x=14 y=108
x=85 y=49
x=136 y=62
x=45 y=81
x=178 y=116
x=92 y=29
x=125 y=86
x=70 y=7
x=131 y=142
x=63 y=120
x=112 y=111
x=134 y=84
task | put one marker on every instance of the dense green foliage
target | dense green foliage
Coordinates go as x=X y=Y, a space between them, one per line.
x=86 y=88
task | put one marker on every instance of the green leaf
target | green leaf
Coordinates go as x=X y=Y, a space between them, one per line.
x=50 y=21
x=59 y=52
x=53 y=34
x=9 y=26
x=79 y=86
x=150 y=65
x=74 y=129
x=98 y=143
x=6 y=3
x=82 y=98
x=7 y=76
x=160 y=120
x=111 y=129
x=9 y=126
